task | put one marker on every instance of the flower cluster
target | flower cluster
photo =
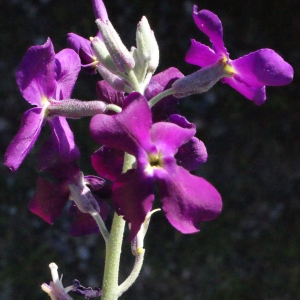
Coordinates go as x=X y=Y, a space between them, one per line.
x=147 y=149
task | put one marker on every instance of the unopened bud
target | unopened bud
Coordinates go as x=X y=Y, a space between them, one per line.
x=119 y=53
x=113 y=80
x=102 y=54
x=82 y=196
x=143 y=40
x=75 y=109
x=200 y=81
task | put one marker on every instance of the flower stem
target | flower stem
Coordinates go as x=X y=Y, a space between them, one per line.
x=160 y=96
x=101 y=225
x=112 y=259
x=139 y=259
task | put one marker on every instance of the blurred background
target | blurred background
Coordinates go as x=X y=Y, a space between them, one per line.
x=252 y=250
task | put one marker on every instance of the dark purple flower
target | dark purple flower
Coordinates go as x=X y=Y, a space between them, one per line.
x=250 y=73
x=187 y=199
x=41 y=76
x=56 y=184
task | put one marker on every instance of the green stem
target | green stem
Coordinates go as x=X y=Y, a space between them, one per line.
x=113 y=249
x=134 y=82
x=101 y=226
x=112 y=259
x=114 y=108
x=161 y=95
x=139 y=259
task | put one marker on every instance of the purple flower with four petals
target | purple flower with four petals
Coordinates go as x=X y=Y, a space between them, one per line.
x=250 y=73
x=42 y=76
x=187 y=199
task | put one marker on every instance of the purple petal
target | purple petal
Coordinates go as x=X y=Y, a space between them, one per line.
x=67 y=70
x=63 y=139
x=133 y=198
x=211 y=25
x=95 y=182
x=108 y=162
x=100 y=10
x=36 y=74
x=201 y=55
x=129 y=130
x=187 y=200
x=181 y=121
x=263 y=67
x=22 y=143
x=256 y=94
x=192 y=154
x=49 y=199
x=109 y=95
x=168 y=137
x=84 y=49
x=160 y=82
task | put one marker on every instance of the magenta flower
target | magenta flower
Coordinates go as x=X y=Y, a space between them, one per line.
x=41 y=76
x=250 y=74
x=187 y=200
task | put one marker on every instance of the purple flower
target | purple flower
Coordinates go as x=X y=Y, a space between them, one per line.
x=187 y=199
x=57 y=182
x=158 y=83
x=83 y=46
x=41 y=76
x=250 y=73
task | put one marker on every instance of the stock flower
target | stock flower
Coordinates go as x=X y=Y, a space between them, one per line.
x=83 y=46
x=187 y=200
x=42 y=76
x=250 y=74
x=59 y=181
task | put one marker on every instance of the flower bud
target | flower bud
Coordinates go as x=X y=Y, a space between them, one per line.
x=113 y=80
x=75 y=109
x=119 y=53
x=200 y=81
x=147 y=48
x=82 y=196
x=102 y=54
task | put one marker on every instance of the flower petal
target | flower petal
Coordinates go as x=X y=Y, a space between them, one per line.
x=263 y=67
x=49 y=199
x=84 y=49
x=187 y=200
x=133 y=197
x=67 y=70
x=211 y=25
x=201 y=55
x=160 y=82
x=36 y=73
x=109 y=95
x=108 y=162
x=100 y=10
x=63 y=140
x=129 y=130
x=168 y=137
x=192 y=154
x=256 y=94
x=22 y=143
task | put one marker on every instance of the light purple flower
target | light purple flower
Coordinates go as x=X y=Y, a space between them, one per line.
x=250 y=73
x=41 y=76
x=187 y=200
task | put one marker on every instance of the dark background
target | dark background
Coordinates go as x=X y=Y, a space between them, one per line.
x=252 y=250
